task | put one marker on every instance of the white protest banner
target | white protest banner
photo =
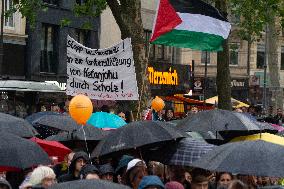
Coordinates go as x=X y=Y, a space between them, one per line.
x=101 y=74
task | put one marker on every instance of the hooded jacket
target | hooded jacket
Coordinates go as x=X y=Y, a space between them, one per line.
x=70 y=175
x=87 y=169
x=151 y=181
x=5 y=182
x=106 y=168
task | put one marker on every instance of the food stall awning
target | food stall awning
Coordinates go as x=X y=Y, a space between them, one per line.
x=28 y=86
x=183 y=99
x=235 y=103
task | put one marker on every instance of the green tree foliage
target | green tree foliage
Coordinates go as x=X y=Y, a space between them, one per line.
x=255 y=14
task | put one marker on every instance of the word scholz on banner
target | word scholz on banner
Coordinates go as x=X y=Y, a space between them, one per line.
x=101 y=74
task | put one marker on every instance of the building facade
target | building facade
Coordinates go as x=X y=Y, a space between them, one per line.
x=46 y=44
x=36 y=54
x=14 y=42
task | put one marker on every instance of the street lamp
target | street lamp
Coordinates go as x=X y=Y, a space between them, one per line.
x=1 y=38
x=265 y=69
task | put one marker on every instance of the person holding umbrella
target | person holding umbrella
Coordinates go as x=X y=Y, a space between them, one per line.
x=79 y=160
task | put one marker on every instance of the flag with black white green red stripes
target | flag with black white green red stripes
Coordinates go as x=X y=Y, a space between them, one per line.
x=189 y=24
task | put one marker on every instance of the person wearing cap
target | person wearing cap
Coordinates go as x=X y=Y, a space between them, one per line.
x=121 y=168
x=78 y=161
x=4 y=184
x=89 y=172
x=135 y=171
x=151 y=182
x=107 y=172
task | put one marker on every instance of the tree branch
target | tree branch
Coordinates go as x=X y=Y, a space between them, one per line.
x=117 y=13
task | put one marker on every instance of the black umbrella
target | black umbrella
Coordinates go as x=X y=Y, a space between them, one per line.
x=61 y=122
x=228 y=123
x=16 y=126
x=250 y=157
x=33 y=117
x=60 y=137
x=76 y=138
x=16 y=152
x=212 y=138
x=92 y=134
x=88 y=184
x=135 y=135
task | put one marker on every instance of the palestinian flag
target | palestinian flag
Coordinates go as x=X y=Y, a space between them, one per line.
x=189 y=24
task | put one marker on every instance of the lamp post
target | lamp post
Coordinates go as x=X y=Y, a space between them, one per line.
x=1 y=38
x=205 y=77
x=265 y=69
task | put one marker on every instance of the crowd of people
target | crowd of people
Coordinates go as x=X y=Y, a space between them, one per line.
x=136 y=174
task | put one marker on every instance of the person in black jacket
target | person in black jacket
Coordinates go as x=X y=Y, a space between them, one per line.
x=79 y=160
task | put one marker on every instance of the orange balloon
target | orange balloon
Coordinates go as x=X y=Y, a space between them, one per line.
x=81 y=109
x=158 y=104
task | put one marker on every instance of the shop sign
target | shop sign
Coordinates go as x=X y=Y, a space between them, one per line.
x=168 y=79
x=163 y=77
x=237 y=83
x=198 y=86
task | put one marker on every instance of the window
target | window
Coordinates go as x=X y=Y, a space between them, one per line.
x=282 y=58
x=260 y=56
x=147 y=37
x=9 y=21
x=48 y=59
x=204 y=55
x=234 y=53
x=51 y=2
x=161 y=52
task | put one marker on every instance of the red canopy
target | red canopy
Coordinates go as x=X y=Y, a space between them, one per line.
x=52 y=148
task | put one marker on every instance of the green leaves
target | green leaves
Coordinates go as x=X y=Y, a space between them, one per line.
x=65 y=22
x=255 y=14
x=90 y=8
x=29 y=9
